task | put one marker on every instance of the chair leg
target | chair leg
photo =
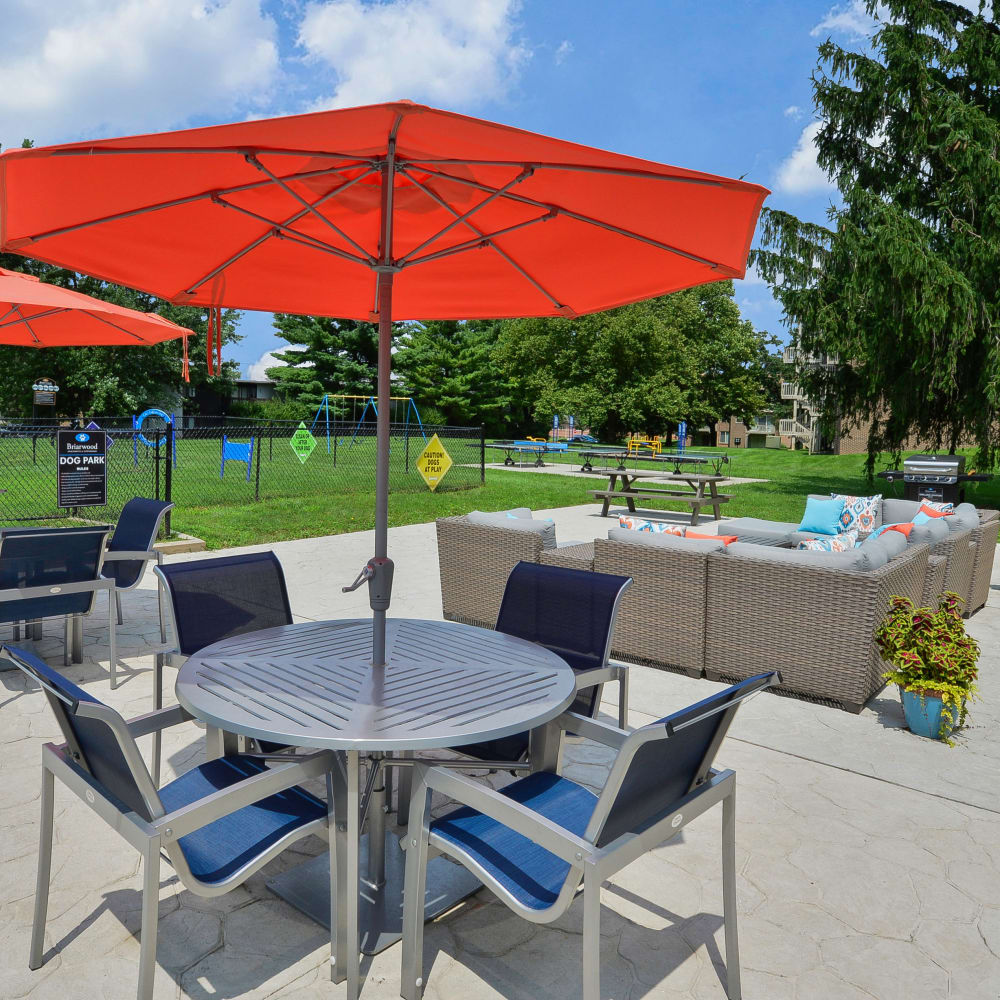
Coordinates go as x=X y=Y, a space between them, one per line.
x=35 y=958
x=733 y=989
x=67 y=639
x=118 y=606
x=404 y=789
x=150 y=915
x=157 y=703
x=78 y=639
x=623 y=699
x=345 y=960
x=411 y=984
x=113 y=645
x=591 y=937
x=36 y=629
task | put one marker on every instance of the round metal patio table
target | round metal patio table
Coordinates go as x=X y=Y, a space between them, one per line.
x=313 y=685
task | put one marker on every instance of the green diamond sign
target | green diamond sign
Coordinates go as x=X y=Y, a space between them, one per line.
x=303 y=442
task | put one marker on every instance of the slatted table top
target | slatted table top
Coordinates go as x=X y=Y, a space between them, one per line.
x=312 y=684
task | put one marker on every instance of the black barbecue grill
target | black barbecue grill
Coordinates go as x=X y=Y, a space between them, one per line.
x=939 y=478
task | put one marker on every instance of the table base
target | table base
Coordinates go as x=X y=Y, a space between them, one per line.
x=380 y=911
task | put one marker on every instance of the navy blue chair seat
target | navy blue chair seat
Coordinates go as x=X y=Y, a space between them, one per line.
x=219 y=849
x=533 y=875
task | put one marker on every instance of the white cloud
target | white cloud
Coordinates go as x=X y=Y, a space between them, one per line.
x=849 y=19
x=752 y=278
x=80 y=67
x=800 y=173
x=445 y=51
x=257 y=370
x=565 y=49
x=792 y=111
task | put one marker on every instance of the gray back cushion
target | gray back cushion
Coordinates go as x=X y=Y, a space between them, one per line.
x=854 y=559
x=934 y=530
x=892 y=542
x=965 y=518
x=663 y=540
x=545 y=529
x=899 y=511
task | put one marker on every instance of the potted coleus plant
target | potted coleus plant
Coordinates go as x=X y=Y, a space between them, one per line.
x=933 y=661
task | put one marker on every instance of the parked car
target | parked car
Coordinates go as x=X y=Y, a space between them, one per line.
x=582 y=439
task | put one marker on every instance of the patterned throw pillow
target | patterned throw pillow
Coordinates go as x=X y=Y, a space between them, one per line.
x=641 y=524
x=860 y=513
x=843 y=542
x=940 y=508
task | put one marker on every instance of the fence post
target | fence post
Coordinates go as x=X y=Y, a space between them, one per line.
x=482 y=454
x=406 y=434
x=156 y=463
x=336 y=435
x=270 y=442
x=168 y=480
x=256 y=451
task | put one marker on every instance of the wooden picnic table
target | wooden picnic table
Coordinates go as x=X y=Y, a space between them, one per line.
x=694 y=495
x=621 y=456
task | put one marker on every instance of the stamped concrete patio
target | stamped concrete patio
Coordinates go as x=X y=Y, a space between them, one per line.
x=869 y=859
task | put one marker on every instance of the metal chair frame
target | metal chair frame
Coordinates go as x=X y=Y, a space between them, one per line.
x=149 y=554
x=163 y=831
x=590 y=864
x=72 y=623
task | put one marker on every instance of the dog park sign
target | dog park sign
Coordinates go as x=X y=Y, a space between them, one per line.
x=434 y=462
x=82 y=471
x=302 y=442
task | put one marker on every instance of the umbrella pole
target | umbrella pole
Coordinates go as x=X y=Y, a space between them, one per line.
x=382 y=462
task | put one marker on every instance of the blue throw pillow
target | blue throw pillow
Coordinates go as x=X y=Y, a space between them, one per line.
x=822 y=517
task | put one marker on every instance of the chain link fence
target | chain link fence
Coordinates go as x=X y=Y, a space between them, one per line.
x=224 y=461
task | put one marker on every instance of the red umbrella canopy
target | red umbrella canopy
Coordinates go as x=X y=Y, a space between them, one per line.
x=286 y=215
x=35 y=314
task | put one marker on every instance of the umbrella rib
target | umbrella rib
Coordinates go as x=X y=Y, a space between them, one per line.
x=24 y=318
x=292 y=218
x=251 y=159
x=522 y=176
x=575 y=167
x=431 y=193
x=211 y=150
x=480 y=242
x=130 y=333
x=172 y=203
x=589 y=220
x=42 y=315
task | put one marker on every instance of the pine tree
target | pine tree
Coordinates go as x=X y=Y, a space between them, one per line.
x=903 y=285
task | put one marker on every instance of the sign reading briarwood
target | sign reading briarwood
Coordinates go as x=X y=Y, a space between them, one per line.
x=82 y=471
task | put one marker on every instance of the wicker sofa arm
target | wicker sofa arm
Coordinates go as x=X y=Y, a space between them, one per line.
x=661 y=619
x=934 y=580
x=579 y=556
x=475 y=561
x=985 y=537
x=815 y=625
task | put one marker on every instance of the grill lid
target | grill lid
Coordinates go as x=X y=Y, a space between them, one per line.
x=934 y=468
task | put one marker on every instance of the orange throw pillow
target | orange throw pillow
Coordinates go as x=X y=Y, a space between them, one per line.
x=931 y=512
x=903 y=529
x=725 y=539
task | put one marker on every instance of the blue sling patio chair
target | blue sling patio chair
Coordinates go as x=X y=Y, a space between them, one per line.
x=131 y=546
x=212 y=599
x=218 y=823
x=56 y=572
x=540 y=840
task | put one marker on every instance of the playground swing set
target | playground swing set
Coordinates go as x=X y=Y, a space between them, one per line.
x=340 y=403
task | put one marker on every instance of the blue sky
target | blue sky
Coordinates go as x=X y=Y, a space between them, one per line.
x=718 y=87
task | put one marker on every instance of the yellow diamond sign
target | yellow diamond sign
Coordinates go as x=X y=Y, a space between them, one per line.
x=434 y=462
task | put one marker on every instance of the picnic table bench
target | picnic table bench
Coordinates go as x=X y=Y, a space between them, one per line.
x=694 y=495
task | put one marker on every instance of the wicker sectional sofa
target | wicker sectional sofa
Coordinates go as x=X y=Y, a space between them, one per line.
x=727 y=614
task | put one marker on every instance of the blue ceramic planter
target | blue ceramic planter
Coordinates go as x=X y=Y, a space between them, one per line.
x=923 y=714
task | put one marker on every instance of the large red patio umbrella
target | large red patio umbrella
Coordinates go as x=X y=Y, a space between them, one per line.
x=36 y=314
x=392 y=211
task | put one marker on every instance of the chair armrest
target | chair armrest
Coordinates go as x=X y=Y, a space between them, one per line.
x=132 y=556
x=154 y=722
x=591 y=729
x=245 y=793
x=519 y=818
x=588 y=678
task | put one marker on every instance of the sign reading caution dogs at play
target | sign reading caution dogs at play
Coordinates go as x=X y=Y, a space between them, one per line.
x=434 y=462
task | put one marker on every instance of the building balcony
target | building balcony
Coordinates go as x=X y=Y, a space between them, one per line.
x=792 y=428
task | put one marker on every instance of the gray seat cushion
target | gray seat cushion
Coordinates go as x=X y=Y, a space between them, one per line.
x=855 y=559
x=663 y=540
x=758 y=531
x=516 y=522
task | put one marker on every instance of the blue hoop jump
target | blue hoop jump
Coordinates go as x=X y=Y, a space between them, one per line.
x=236 y=451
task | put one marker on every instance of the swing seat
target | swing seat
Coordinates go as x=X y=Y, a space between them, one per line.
x=236 y=451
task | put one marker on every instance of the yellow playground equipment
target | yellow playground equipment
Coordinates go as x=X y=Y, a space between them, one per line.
x=637 y=442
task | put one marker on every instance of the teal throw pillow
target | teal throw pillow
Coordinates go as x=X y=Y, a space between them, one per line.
x=822 y=517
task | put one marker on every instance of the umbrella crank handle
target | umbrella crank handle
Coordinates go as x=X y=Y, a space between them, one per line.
x=377 y=572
